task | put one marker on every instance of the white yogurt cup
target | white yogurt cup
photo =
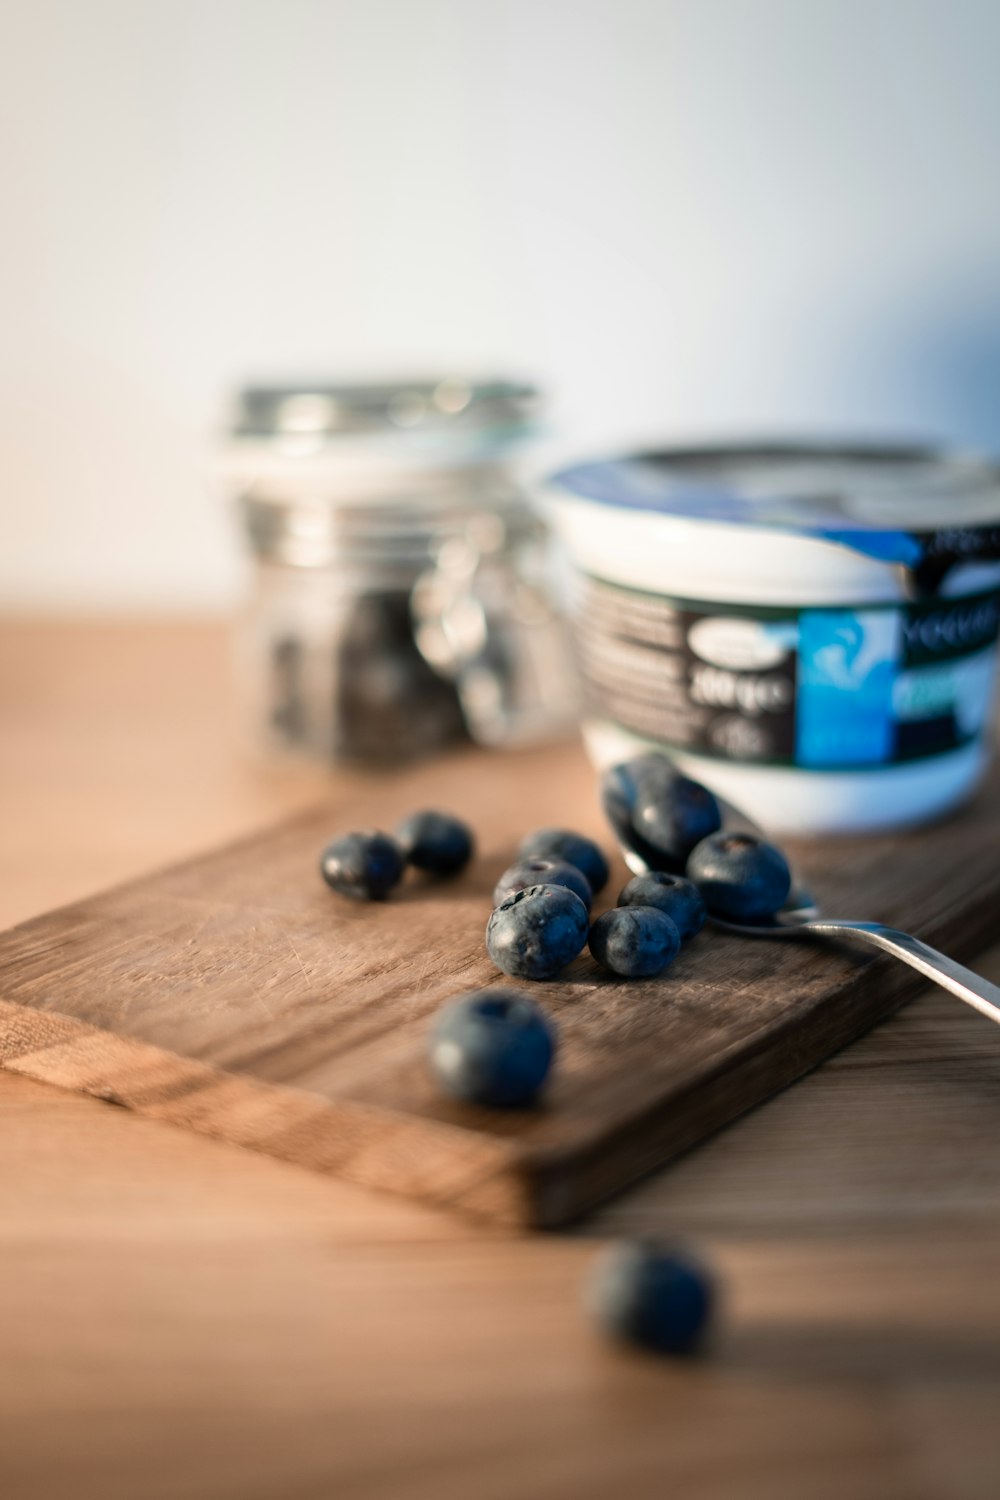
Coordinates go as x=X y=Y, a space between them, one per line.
x=810 y=631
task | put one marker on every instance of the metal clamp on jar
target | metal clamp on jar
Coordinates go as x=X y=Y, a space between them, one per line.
x=402 y=597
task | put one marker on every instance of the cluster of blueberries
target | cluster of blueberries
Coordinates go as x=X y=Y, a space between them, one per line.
x=496 y=1047
x=541 y=917
x=674 y=826
x=367 y=866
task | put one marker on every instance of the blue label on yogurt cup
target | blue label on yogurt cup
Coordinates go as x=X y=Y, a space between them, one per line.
x=847 y=665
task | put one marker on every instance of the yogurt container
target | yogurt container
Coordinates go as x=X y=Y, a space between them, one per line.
x=810 y=630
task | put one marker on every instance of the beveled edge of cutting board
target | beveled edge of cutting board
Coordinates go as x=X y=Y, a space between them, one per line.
x=359 y=1142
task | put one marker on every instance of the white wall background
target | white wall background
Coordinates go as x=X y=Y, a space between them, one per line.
x=688 y=216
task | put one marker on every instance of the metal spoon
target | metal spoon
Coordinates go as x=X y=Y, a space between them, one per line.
x=800 y=916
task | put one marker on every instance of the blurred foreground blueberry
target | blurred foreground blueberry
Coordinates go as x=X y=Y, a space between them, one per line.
x=572 y=849
x=492 y=1047
x=537 y=931
x=740 y=876
x=677 y=898
x=364 y=866
x=656 y=811
x=653 y=1295
x=635 y=941
x=435 y=842
x=542 y=872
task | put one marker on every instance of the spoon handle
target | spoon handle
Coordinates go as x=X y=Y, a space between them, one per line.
x=972 y=988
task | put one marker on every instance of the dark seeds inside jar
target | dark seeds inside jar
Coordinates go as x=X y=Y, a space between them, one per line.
x=288 y=711
x=389 y=704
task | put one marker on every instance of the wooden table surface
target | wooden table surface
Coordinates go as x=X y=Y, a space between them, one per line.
x=180 y=1318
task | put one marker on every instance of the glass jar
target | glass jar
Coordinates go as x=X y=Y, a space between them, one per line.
x=402 y=599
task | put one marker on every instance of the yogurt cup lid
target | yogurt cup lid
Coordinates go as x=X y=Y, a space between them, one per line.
x=917 y=507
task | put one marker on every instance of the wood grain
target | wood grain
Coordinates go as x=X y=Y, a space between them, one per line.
x=226 y=1328
x=120 y=749
x=236 y=996
x=181 y=1317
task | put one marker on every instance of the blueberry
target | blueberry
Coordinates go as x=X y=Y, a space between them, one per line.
x=542 y=872
x=657 y=811
x=674 y=816
x=435 y=842
x=537 y=931
x=677 y=898
x=621 y=784
x=492 y=1047
x=635 y=941
x=618 y=793
x=653 y=1295
x=740 y=876
x=570 y=848
x=363 y=865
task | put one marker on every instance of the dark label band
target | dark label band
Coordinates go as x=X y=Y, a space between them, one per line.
x=825 y=689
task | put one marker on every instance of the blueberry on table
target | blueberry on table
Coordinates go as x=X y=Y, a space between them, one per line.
x=492 y=1047
x=542 y=872
x=741 y=877
x=652 y=1295
x=677 y=898
x=364 y=866
x=571 y=848
x=436 y=842
x=635 y=941
x=537 y=931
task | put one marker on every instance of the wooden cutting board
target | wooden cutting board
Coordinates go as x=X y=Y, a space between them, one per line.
x=237 y=996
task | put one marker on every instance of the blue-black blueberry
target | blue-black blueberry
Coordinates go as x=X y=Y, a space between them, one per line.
x=542 y=872
x=634 y=941
x=537 y=931
x=673 y=816
x=619 y=788
x=492 y=1047
x=677 y=898
x=436 y=842
x=365 y=866
x=656 y=811
x=571 y=848
x=657 y=1296
x=740 y=876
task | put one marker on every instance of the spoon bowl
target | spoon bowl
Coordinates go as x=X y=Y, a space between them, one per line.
x=801 y=917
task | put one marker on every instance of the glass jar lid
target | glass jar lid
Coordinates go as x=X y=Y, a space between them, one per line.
x=447 y=404
x=378 y=442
